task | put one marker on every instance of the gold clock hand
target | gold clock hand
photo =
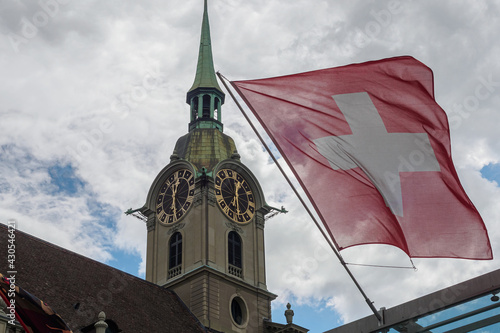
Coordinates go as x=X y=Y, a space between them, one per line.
x=173 y=204
x=238 y=185
x=174 y=193
x=174 y=187
x=235 y=197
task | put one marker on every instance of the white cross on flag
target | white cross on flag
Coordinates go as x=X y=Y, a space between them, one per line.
x=371 y=148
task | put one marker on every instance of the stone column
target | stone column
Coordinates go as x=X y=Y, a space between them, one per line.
x=100 y=326
x=289 y=314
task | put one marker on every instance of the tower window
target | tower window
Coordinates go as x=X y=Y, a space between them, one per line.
x=217 y=109
x=234 y=249
x=206 y=106
x=239 y=312
x=236 y=312
x=194 y=108
x=175 y=255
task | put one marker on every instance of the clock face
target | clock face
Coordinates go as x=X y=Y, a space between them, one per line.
x=234 y=196
x=175 y=197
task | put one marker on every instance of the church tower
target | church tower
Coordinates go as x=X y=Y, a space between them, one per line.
x=205 y=217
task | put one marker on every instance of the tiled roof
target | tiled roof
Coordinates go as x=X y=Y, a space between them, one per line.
x=78 y=288
x=205 y=148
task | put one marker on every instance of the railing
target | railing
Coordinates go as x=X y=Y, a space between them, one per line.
x=236 y=271
x=174 y=271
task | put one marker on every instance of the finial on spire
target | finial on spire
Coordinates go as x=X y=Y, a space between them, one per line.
x=205 y=96
x=205 y=73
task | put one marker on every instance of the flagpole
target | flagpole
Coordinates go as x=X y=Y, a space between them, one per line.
x=330 y=243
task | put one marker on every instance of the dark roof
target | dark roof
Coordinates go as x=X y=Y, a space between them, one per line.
x=78 y=288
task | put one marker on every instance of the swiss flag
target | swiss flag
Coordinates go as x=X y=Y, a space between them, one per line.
x=33 y=314
x=371 y=148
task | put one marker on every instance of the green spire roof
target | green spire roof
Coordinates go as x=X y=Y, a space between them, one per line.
x=205 y=145
x=205 y=73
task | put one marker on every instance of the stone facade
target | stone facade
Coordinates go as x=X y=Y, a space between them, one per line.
x=206 y=282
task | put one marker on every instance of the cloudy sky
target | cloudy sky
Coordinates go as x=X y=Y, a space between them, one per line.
x=92 y=100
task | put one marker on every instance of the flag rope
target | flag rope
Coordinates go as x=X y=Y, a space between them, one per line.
x=330 y=243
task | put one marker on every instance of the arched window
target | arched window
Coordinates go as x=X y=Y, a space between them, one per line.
x=175 y=254
x=194 y=108
x=217 y=109
x=206 y=106
x=234 y=249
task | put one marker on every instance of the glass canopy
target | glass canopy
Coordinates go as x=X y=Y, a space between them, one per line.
x=477 y=315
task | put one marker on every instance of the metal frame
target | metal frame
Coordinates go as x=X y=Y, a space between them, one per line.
x=403 y=317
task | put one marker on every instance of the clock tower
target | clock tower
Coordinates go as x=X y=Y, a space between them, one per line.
x=205 y=217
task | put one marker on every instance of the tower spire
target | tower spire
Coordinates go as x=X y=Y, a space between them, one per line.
x=205 y=96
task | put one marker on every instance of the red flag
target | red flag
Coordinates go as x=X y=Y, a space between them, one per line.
x=33 y=314
x=371 y=148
